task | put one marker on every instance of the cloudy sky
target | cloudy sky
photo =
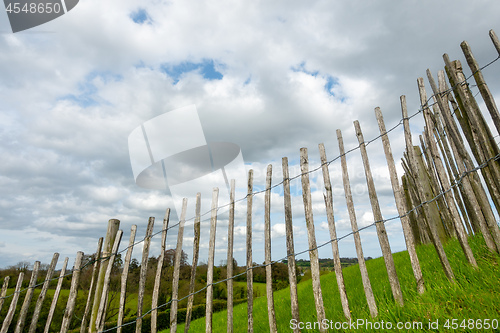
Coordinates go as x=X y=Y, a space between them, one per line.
x=270 y=77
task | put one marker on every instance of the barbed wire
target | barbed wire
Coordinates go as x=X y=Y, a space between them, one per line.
x=366 y=143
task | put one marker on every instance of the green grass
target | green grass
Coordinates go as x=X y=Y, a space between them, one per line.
x=474 y=295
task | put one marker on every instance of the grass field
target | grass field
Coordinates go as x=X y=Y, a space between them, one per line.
x=474 y=295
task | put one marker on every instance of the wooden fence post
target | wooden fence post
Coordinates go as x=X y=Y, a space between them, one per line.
x=177 y=264
x=311 y=236
x=73 y=291
x=333 y=233
x=27 y=298
x=43 y=293
x=292 y=270
x=210 y=267
x=101 y=317
x=196 y=253
x=95 y=270
x=230 y=240
x=159 y=267
x=12 y=308
x=5 y=285
x=267 y=247
x=56 y=296
x=495 y=41
x=420 y=190
x=142 y=276
x=113 y=226
x=399 y=198
x=377 y=215
x=249 y=253
x=370 y=298
x=124 y=277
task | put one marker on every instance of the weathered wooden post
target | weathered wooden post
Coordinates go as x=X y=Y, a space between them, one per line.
x=370 y=298
x=95 y=270
x=399 y=198
x=196 y=253
x=311 y=236
x=27 y=298
x=177 y=266
x=249 y=253
x=333 y=233
x=292 y=270
x=142 y=276
x=56 y=296
x=43 y=293
x=159 y=267
x=124 y=277
x=5 y=285
x=12 y=308
x=113 y=226
x=73 y=291
x=377 y=215
x=210 y=264
x=230 y=240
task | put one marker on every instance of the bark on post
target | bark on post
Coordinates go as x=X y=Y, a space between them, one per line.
x=267 y=249
x=95 y=270
x=73 y=291
x=210 y=264
x=142 y=276
x=290 y=251
x=27 y=299
x=230 y=240
x=370 y=298
x=399 y=198
x=56 y=296
x=124 y=277
x=113 y=226
x=177 y=266
x=12 y=308
x=196 y=253
x=159 y=267
x=5 y=285
x=377 y=214
x=418 y=182
x=249 y=253
x=333 y=233
x=43 y=293
x=481 y=84
x=311 y=236
x=412 y=214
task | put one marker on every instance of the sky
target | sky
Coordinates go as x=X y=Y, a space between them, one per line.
x=269 y=77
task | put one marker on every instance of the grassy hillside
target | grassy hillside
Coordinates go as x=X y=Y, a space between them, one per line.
x=474 y=295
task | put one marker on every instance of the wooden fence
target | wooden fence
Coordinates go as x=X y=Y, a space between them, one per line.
x=440 y=196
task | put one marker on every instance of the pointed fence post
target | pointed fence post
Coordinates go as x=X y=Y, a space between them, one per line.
x=177 y=266
x=333 y=233
x=292 y=269
x=43 y=293
x=370 y=298
x=5 y=285
x=56 y=296
x=399 y=198
x=142 y=276
x=196 y=253
x=27 y=298
x=159 y=267
x=311 y=236
x=73 y=291
x=12 y=308
x=124 y=277
x=210 y=267
x=230 y=240
x=95 y=270
x=379 y=224
x=249 y=253
x=267 y=247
